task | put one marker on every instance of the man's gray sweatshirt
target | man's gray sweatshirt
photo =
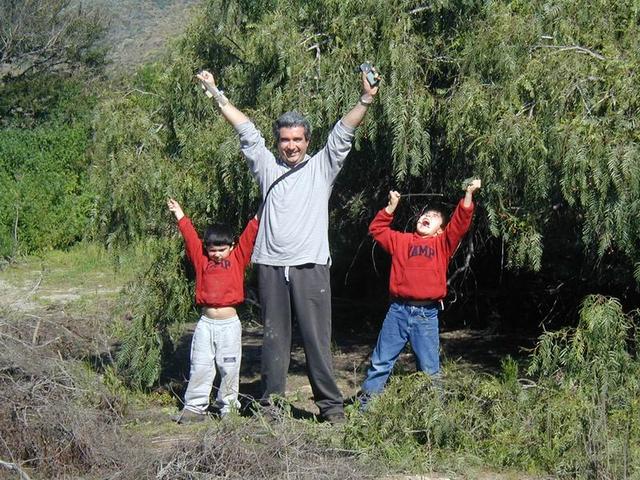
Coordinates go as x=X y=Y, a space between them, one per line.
x=295 y=220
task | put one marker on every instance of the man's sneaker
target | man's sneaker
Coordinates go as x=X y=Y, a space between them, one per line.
x=188 y=416
x=334 y=418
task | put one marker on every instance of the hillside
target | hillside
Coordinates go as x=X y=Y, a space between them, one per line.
x=140 y=29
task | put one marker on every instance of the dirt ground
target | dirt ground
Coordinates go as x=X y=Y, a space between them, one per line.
x=476 y=349
x=80 y=306
x=83 y=306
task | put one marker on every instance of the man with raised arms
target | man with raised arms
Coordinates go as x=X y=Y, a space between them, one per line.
x=292 y=247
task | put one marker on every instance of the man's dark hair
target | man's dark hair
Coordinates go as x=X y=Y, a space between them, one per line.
x=218 y=235
x=291 y=119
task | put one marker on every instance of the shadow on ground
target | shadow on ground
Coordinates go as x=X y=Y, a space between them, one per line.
x=482 y=350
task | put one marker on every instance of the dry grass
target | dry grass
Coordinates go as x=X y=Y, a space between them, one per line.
x=281 y=449
x=59 y=420
x=55 y=415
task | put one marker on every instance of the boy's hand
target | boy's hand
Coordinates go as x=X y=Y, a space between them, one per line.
x=175 y=208
x=207 y=83
x=394 y=198
x=472 y=184
x=475 y=184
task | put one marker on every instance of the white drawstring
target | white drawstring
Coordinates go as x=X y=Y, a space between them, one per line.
x=286 y=273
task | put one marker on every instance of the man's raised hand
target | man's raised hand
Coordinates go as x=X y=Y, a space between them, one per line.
x=367 y=89
x=207 y=82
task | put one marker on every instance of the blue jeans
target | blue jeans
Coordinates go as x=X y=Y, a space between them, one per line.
x=418 y=325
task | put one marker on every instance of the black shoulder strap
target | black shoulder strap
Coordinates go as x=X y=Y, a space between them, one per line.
x=278 y=180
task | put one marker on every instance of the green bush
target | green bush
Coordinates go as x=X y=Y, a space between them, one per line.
x=161 y=300
x=538 y=104
x=576 y=416
x=44 y=202
x=537 y=101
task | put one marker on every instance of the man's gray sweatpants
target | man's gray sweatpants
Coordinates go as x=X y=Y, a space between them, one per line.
x=303 y=292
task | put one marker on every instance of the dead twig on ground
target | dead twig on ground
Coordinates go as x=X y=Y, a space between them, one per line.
x=15 y=468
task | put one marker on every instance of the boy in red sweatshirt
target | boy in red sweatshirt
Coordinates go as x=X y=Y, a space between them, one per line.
x=417 y=285
x=219 y=266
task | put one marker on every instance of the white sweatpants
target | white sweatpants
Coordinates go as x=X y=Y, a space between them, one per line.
x=215 y=343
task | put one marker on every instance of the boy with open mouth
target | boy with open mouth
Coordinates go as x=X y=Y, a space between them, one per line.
x=417 y=286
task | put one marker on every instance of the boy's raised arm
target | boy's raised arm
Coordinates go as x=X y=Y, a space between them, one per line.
x=192 y=242
x=380 y=227
x=461 y=218
x=234 y=116
x=247 y=240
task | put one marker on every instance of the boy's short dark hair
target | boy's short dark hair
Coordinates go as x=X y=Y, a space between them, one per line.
x=436 y=208
x=291 y=119
x=218 y=235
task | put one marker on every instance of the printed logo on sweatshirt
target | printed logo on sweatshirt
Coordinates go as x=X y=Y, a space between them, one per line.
x=421 y=250
x=226 y=264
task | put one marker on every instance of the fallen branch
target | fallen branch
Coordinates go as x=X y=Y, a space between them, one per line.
x=15 y=468
x=419 y=9
x=34 y=337
x=467 y=261
x=577 y=48
x=15 y=231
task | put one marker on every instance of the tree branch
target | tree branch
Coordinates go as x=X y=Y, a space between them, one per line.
x=577 y=48
x=15 y=468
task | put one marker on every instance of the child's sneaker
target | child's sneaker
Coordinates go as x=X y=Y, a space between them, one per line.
x=188 y=416
x=363 y=399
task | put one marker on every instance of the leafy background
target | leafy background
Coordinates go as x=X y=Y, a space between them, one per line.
x=536 y=98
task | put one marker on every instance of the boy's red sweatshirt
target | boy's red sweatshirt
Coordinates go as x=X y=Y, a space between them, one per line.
x=419 y=264
x=219 y=284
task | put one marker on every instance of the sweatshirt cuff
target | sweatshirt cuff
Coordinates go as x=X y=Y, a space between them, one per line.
x=347 y=129
x=183 y=221
x=383 y=213
x=469 y=208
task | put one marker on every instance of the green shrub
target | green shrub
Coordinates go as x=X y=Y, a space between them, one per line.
x=44 y=202
x=577 y=418
x=469 y=87
x=156 y=305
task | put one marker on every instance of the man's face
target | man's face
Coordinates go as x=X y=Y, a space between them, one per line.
x=292 y=145
x=217 y=253
x=429 y=224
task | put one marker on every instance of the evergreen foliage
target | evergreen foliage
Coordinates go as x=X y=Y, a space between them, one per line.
x=44 y=36
x=537 y=99
x=44 y=203
x=577 y=419
x=547 y=109
x=162 y=300
x=48 y=52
